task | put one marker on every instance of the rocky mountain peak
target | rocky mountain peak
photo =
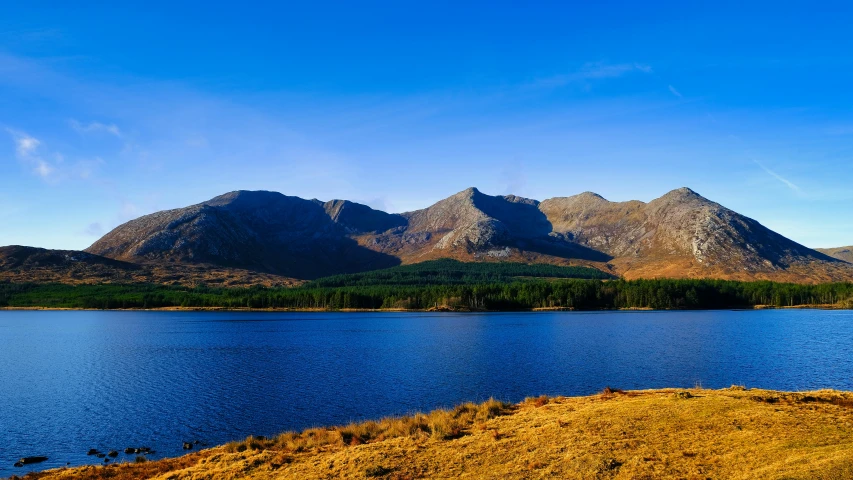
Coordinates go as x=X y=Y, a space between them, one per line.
x=682 y=195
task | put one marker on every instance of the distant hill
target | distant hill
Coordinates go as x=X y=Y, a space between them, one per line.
x=27 y=264
x=841 y=253
x=679 y=235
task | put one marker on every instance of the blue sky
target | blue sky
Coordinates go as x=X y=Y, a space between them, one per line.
x=111 y=112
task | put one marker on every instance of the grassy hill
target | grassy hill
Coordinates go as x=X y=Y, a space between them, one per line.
x=733 y=433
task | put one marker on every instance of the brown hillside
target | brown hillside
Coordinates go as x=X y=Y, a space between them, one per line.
x=27 y=264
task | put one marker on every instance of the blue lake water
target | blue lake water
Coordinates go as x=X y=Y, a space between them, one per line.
x=71 y=381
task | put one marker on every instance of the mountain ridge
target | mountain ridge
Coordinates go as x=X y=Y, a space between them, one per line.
x=680 y=234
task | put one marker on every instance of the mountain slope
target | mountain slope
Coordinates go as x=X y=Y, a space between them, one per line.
x=680 y=234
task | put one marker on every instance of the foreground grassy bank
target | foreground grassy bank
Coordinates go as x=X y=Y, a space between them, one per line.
x=732 y=433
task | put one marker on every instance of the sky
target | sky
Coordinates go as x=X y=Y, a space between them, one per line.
x=109 y=112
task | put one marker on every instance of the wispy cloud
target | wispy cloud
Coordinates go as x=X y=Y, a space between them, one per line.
x=25 y=145
x=675 y=92
x=96 y=127
x=85 y=169
x=591 y=71
x=780 y=178
x=26 y=149
x=51 y=166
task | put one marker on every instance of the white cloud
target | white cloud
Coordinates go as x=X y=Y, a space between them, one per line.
x=96 y=127
x=25 y=145
x=675 y=92
x=42 y=168
x=780 y=178
x=591 y=71
x=86 y=168
x=26 y=148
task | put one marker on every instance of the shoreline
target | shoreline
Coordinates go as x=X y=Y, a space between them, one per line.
x=429 y=310
x=661 y=433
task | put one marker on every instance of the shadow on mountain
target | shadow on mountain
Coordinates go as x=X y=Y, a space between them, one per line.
x=531 y=230
x=324 y=258
x=561 y=248
x=520 y=215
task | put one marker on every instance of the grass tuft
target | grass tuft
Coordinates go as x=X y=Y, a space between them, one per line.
x=539 y=401
x=609 y=392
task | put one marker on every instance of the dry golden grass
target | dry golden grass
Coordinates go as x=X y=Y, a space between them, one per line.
x=734 y=433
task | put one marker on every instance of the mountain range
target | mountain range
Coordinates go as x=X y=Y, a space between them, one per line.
x=279 y=238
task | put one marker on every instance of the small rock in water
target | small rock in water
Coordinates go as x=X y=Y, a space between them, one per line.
x=188 y=446
x=19 y=464
x=113 y=453
x=129 y=450
x=101 y=455
x=29 y=460
x=106 y=460
x=93 y=451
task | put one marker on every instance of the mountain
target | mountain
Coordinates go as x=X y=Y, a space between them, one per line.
x=473 y=226
x=263 y=231
x=680 y=234
x=683 y=234
x=841 y=253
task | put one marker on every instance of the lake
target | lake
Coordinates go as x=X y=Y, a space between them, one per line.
x=75 y=380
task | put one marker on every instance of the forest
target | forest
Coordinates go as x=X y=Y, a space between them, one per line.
x=444 y=285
